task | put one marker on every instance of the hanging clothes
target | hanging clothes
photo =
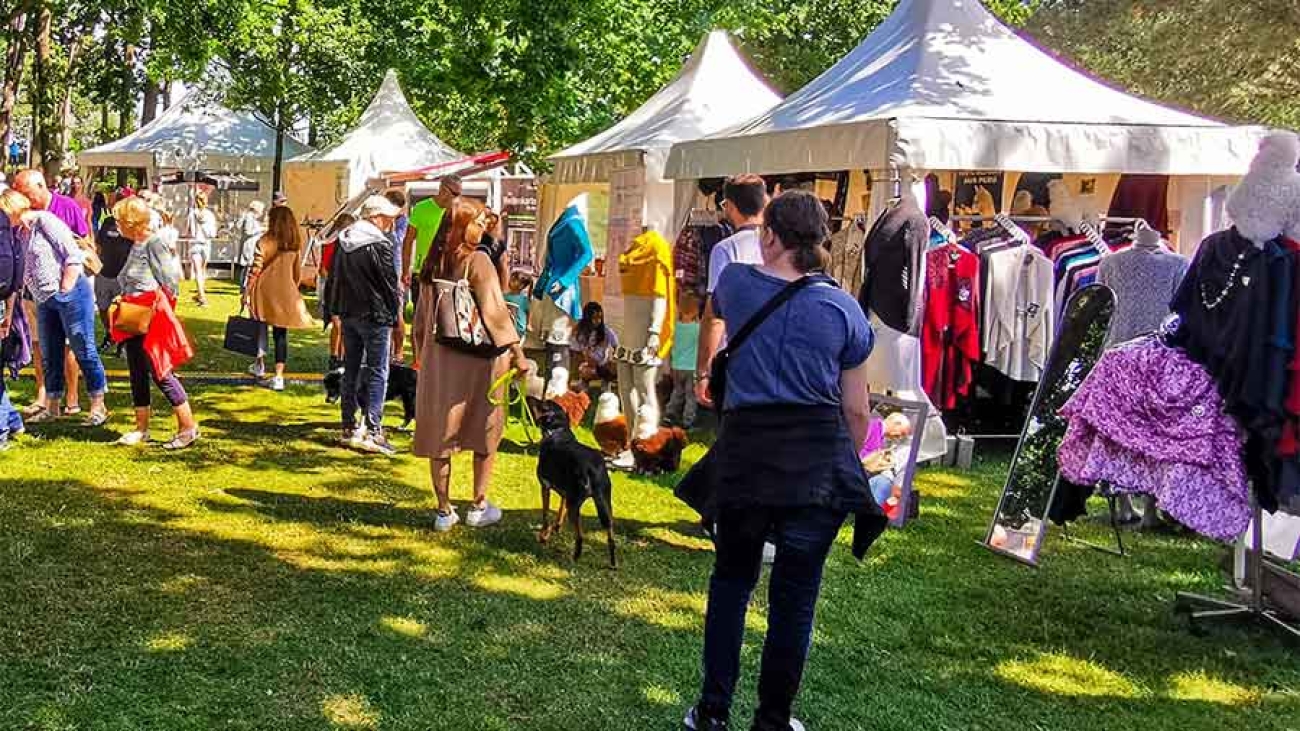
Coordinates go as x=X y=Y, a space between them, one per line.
x=950 y=338
x=1145 y=279
x=846 y=256
x=1148 y=419
x=1019 y=313
x=892 y=263
x=1236 y=320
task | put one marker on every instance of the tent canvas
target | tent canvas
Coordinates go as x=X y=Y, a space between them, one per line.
x=388 y=137
x=715 y=89
x=943 y=84
x=225 y=140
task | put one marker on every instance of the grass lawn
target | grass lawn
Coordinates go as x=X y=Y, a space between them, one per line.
x=269 y=580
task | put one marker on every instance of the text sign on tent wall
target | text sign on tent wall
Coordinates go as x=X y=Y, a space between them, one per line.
x=519 y=204
x=973 y=191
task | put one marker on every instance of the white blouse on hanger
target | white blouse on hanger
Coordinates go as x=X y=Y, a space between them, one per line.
x=1019 y=314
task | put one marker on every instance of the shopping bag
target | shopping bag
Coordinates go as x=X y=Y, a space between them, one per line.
x=245 y=335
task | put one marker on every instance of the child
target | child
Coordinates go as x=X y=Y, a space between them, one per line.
x=682 y=407
x=593 y=345
x=517 y=300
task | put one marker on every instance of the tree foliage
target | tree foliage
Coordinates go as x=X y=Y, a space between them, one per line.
x=1234 y=60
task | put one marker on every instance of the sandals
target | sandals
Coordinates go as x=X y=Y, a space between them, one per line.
x=95 y=419
x=32 y=410
x=182 y=439
x=43 y=416
x=71 y=410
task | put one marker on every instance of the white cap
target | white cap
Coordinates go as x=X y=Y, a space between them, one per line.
x=377 y=205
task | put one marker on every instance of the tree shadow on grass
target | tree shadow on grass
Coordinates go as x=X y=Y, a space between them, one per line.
x=122 y=615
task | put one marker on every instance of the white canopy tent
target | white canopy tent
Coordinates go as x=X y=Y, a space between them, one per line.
x=388 y=138
x=716 y=88
x=944 y=85
x=196 y=132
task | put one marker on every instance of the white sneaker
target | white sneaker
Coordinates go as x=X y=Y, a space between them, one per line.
x=769 y=554
x=277 y=383
x=357 y=438
x=257 y=370
x=482 y=517
x=624 y=462
x=795 y=725
x=133 y=439
x=446 y=522
x=377 y=444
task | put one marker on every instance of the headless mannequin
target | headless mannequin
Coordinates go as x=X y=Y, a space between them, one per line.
x=643 y=321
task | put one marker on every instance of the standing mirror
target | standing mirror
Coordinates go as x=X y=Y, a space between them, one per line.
x=1020 y=523
x=889 y=455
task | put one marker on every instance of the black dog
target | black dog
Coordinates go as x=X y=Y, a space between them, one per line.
x=402 y=382
x=573 y=470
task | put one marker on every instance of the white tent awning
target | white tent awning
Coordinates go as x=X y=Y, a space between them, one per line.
x=716 y=89
x=943 y=84
x=224 y=139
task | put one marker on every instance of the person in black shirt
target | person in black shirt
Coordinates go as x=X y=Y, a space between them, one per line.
x=114 y=248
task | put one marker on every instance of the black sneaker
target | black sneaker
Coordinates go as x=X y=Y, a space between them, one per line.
x=697 y=720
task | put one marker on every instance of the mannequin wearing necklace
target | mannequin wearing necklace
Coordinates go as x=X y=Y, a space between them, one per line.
x=646 y=274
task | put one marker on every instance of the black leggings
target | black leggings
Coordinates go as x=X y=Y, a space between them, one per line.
x=141 y=368
x=281 y=337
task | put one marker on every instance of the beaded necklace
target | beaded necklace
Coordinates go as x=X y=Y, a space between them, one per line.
x=1211 y=304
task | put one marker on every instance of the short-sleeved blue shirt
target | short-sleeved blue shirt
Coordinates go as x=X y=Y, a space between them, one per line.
x=796 y=357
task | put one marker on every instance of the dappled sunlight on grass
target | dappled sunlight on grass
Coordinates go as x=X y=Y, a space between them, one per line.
x=404 y=626
x=661 y=696
x=524 y=586
x=679 y=540
x=1059 y=674
x=168 y=642
x=1197 y=686
x=352 y=711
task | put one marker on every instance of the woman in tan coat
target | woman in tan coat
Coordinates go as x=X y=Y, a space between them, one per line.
x=452 y=408
x=273 y=295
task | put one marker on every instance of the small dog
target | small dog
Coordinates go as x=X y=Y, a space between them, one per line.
x=402 y=383
x=657 y=450
x=610 y=428
x=576 y=472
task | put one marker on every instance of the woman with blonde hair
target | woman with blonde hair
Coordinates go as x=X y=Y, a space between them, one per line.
x=452 y=408
x=202 y=230
x=150 y=279
x=65 y=304
x=273 y=282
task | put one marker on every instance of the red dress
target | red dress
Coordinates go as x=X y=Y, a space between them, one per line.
x=950 y=339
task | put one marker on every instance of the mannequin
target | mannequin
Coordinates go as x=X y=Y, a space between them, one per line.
x=646 y=271
x=1263 y=205
x=568 y=252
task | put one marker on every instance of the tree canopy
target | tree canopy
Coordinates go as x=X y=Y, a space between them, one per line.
x=533 y=77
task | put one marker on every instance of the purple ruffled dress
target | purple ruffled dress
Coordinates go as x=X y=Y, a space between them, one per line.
x=1150 y=420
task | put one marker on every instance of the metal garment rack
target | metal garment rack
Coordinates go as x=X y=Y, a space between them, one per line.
x=1251 y=607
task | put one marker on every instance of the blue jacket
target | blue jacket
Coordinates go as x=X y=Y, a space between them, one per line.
x=568 y=252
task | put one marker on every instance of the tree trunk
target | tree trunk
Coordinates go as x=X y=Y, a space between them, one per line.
x=278 y=169
x=46 y=152
x=149 y=110
x=165 y=88
x=13 y=75
x=69 y=85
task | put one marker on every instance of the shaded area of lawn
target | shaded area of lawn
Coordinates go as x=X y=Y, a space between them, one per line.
x=270 y=580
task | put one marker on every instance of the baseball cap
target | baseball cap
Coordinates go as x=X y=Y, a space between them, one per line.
x=279 y=198
x=377 y=205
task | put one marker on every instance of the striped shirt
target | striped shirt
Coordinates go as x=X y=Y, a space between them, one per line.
x=50 y=248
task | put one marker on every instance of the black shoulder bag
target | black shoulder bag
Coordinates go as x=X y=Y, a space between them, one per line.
x=718 y=369
x=698 y=487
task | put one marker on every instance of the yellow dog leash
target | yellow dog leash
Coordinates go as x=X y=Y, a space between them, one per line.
x=507 y=400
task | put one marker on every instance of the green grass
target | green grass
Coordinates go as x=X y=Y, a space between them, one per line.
x=268 y=580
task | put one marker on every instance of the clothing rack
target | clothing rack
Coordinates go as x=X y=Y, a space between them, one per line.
x=1252 y=607
x=942 y=228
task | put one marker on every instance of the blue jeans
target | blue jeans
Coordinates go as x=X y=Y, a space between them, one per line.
x=803 y=538
x=70 y=318
x=366 y=349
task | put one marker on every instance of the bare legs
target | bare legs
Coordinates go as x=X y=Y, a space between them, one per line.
x=440 y=472
x=200 y=268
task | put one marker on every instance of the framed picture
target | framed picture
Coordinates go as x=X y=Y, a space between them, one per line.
x=889 y=454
